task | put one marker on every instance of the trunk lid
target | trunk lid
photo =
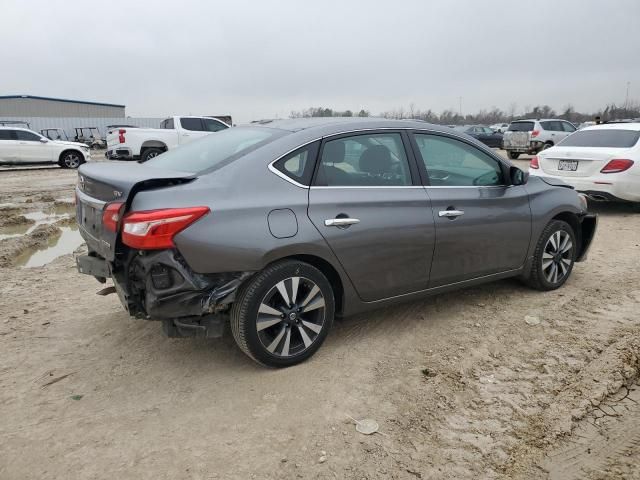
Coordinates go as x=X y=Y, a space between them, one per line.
x=102 y=183
x=589 y=160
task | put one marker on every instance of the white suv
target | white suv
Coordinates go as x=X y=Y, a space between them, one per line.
x=531 y=136
x=24 y=146
x=602 y=162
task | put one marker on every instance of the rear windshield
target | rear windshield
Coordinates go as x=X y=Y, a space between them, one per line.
x=521 y=127
x=604 y=138
x=216 y=149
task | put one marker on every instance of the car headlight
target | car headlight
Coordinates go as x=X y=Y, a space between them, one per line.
x=583 y=201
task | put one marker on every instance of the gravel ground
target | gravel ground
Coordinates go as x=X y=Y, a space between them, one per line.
x=461 y=385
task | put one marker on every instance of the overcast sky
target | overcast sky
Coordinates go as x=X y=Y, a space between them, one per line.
x=263 y=59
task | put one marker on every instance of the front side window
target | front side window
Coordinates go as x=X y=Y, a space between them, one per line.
x=298 y=165
x=27 y=136
x=568 y=127
x=377 y=160
x=193 y=124
x=211 y=125
x=451 y=163
x=167 y=124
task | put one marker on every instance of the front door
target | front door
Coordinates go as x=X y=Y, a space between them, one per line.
x=30 y=148
x=368 y=206
x=483 y=225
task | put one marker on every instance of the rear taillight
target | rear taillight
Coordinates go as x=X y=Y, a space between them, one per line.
x=535 y=133
x=155 y=229
x=111 y=216
x=534 y=163
x=121 y=135
x=617 y=165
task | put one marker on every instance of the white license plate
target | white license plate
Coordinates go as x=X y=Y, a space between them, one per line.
x=568 y=165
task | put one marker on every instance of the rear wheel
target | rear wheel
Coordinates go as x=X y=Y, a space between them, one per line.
x=513 y=155
x=547 y=145
x=70 y=159
x=150 y=153
x=284 y=313
x=554 y=256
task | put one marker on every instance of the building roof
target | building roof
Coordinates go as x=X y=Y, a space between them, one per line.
x=62 y=100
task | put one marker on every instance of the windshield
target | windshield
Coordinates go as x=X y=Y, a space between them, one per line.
x=215 y=150
x=521 y=127
x=603 y=138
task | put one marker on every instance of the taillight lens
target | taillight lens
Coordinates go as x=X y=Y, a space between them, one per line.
x=535 y=133
x=155 y=229
x=617 y=165
x=111 y=216
x=534 y=163
x=121 y=135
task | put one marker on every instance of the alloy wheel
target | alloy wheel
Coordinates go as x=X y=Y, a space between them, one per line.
x=71 y=160
x=290 y=316
x=557 y=257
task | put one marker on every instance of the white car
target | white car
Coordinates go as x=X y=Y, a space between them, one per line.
x=499 y=127
x=24 y=146
x=602 y=161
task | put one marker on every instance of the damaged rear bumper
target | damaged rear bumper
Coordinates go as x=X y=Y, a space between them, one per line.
x=159 y=285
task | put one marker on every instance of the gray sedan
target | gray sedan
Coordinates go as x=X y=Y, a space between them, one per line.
x=279 y=227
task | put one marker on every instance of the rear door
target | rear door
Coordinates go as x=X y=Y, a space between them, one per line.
x=483 y=225
x=367 y=203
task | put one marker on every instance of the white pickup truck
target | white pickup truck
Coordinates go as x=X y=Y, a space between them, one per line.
x=144 y=143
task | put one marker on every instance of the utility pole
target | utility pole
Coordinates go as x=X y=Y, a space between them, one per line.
x=626 y=98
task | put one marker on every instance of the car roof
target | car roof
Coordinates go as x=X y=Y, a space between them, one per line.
x=540 y=120
x=333 y=125
x=8 y=127
x=614 y=126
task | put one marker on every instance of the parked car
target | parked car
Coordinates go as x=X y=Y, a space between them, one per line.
x=277 y=228
x=499 y=127
x=146 y=143
x=602 y=161
x=532 y=136
x=486 y=135
x=24 y=146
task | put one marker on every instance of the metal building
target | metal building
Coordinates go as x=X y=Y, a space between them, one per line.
x=32 y=106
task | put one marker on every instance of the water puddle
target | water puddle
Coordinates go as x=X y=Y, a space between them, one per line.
x=52 y=215
x=56 y=246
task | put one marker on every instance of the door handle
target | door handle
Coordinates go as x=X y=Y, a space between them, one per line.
x=341 y=222
x=450 y=213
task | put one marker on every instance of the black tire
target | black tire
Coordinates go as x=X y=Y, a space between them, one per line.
x=150 y=153
x=541 y=274
x=255 y=294
x=71 y=159
x=547 y=145
x=513 y=155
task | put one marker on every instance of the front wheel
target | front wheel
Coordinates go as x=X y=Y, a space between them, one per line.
x=283 y=314
x=513 y=155
x=70 y=159
x=554 y=257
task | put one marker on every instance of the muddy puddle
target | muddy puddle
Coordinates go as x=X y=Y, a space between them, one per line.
x=64 y=243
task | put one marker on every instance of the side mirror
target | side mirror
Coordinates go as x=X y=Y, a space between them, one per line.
x=43 y=140
x=518 y=177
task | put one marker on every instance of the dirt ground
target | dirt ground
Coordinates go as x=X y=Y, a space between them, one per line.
x=496 y=381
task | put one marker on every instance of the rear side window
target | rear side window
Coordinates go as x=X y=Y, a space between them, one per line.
x=167 y=124
x=211 y=125
x=521 y=127
x=451 y=163
x=298 y=165
x=376 y=160
x=193 y=124
x=7 y=135
x=603 y=138
x=215 y=151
